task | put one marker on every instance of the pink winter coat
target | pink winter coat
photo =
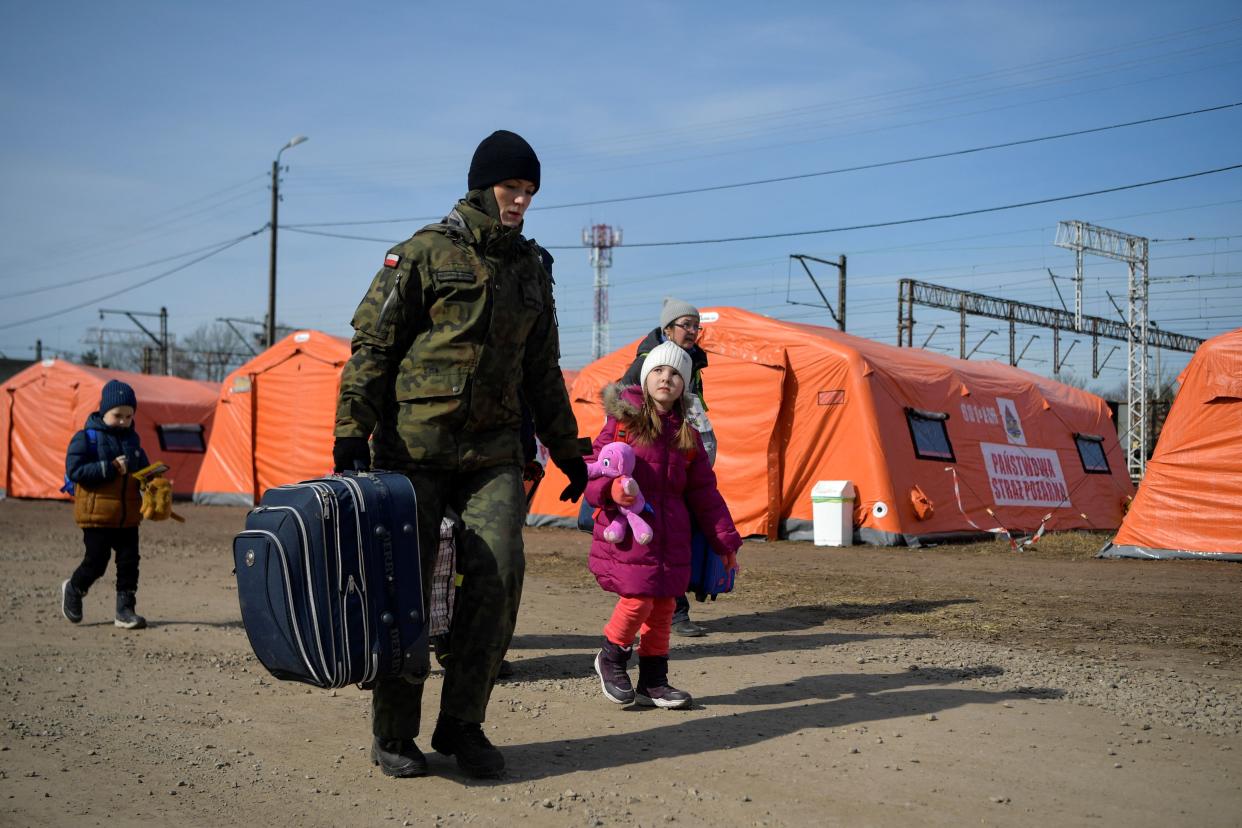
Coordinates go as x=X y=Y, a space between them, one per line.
x=675 y=485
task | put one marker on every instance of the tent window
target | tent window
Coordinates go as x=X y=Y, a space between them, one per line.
x=1091 y=452
x=182 y=437
x=930 y=435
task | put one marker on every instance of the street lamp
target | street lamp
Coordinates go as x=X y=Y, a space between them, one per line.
x=271 y=273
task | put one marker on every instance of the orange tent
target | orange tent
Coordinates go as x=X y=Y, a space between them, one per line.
x=986 y=445
x=274 y=420
x=1189 y=504
x=47 y=403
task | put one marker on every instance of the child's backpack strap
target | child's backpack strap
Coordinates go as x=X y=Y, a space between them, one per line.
x=92 y=440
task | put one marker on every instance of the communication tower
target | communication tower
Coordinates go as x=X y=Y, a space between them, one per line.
x=601 y=238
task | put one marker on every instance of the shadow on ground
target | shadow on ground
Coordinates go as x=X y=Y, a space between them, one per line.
x=829 y=701
x=579 y=664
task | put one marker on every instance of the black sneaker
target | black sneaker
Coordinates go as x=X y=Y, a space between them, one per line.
x=399 y=758
x=476 y=756
x=70 y=601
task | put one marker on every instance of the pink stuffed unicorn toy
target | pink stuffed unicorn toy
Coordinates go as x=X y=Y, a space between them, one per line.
x=616 y=460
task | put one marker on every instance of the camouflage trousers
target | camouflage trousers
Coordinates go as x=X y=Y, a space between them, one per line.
x=491 y=562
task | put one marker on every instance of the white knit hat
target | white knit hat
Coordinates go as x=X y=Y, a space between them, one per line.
x=671 y=354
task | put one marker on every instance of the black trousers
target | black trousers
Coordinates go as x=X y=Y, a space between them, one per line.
x=99 y=545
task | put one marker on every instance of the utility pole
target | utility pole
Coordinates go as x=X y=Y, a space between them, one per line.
x=838 y=315
x=229 y=321
x=160 y=341
x=271 y=271
x=38 y=350
x=601 y=239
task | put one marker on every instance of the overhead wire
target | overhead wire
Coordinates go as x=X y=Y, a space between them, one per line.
x=118 y=271
x=823 y=231
x=127 y=288
x=819 y=173
x=145 y=235
x=938 y=217
x=920 y=91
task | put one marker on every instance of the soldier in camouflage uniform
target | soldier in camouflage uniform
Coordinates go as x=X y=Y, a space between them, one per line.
x=457 y=324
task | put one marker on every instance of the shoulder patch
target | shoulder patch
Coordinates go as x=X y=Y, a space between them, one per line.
x=392 y=260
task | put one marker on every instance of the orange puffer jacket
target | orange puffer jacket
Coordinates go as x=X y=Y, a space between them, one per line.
x=116 y=504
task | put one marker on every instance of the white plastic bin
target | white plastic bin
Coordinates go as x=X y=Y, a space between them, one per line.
x=832 y=512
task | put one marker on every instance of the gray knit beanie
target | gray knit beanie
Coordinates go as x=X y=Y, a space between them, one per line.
x=675 y=309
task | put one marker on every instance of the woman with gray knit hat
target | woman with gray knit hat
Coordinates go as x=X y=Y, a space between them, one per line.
x=456 y=331
x=680 y=324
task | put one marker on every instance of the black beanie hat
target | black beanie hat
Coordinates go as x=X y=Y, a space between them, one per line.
x=501 y=156
x=116 y=393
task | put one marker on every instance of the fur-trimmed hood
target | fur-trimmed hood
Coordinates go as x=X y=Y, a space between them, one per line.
x=622 y=401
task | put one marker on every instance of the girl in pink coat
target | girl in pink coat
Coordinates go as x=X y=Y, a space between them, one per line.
x=676 y=478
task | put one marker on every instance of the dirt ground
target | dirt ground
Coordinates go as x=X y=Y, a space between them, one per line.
x=944 y=686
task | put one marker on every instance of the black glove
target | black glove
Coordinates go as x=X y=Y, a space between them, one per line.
x=576 y=470
x=532 y=472
x=351 y=454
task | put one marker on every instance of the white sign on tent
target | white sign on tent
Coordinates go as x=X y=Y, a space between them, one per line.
x=1022 y=476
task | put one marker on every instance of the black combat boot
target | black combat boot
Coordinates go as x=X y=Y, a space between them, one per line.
x=400 y=758
x=476 y=756
x=682 y=625
x=126 y=618
x=653 y=686
x=610 y=663
x=70 y=601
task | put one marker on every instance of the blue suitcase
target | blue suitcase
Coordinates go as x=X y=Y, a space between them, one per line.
x=330 y=583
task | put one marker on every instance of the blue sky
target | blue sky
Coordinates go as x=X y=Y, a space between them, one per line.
x=139 y=131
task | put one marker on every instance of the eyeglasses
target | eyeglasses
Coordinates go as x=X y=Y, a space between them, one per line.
x=688 y=327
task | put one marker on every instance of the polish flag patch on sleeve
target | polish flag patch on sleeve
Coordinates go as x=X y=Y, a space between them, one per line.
x=392 y=260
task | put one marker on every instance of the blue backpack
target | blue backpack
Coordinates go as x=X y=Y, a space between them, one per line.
x=92 y=438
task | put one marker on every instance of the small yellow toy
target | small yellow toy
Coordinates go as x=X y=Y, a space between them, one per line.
x=156 y=493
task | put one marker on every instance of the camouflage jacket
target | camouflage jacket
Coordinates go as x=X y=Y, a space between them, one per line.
x=457 y=327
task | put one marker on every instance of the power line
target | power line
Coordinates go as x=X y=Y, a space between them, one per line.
x=919 y=92
x=166 y=219
x=894 y=163
x=119 y=271
x=896 y=222
x=797 y=233
x=821 y=173
x=128 y=288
